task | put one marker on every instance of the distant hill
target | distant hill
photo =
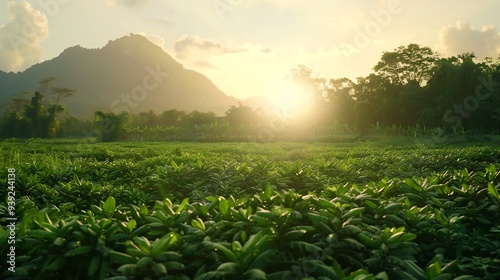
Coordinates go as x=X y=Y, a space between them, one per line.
x=129 y=73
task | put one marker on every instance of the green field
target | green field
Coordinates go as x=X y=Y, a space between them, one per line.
x=363 y=210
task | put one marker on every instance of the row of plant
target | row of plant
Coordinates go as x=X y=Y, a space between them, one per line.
x=47 y=174
x=440 y=227
x=255 y=211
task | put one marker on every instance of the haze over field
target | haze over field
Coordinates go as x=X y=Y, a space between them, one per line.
x=248 y=47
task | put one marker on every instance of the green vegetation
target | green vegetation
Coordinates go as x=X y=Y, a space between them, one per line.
x=38 y=117
x=411 y=87
x=253 y=211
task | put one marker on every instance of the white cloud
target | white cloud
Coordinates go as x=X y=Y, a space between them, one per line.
x=21 y=36
x=194 y=48
x=463 y=37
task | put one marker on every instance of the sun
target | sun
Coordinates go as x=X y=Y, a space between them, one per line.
x=292 y=101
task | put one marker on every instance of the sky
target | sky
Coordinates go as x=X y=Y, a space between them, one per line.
x=248 y=48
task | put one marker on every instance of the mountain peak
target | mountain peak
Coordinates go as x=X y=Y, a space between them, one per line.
x=131 y=39
x=129 y=73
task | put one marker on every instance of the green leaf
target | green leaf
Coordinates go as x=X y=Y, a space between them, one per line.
x=433 y=270
x=413 y=269
x=140 y=230
x=324 y=270
x=173 y=265
x=58 y=241
x=42 y=234
x=198 y=223
x=316 y=218
x=228 y=266
x=122 y=258
x=338 y=269
x=143 y=244
x=294 y=234
x=353 y=212
x=170 y=256
x=182 y=205
x=493 y=191
x=136 y=253
x=251 y=244
x=219 y=247
x=414 y=184
x=393 y=218
x=145 y=261
x=109 y=206
x=359 y=274
x=165 y=219
x=382 y=276
x=351 y=229
x=131 y=225
x=260 y=221
x=370 y=204
x=163 y=244
x=224 y=206
x=159 y=269
x=255 y=274
x=143 y=210
x=353 y=243
x=330 y=206
x=129 y=269
x=95 y=263
x=394 y=238
x=268 y=191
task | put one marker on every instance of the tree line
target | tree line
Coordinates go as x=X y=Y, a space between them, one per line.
x=411 y=86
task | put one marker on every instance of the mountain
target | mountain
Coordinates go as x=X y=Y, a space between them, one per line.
x=128 y=74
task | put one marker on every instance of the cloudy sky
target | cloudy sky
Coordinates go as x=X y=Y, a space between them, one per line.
x=247 y=47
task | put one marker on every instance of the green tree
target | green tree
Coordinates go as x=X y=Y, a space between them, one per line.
x=60 y=93
x=172 y=117
x=457 y=97
x=145 y=119
x=197 y=118
x=50 y=123
x=44 y=118
x=371 y=89
x=35 y=114
x=73 y=127
x=364 y=117
x=241 y=115
x=10 y=125
x=340 y=95
x=110 y=126
x=407 y=63
x=44 y=86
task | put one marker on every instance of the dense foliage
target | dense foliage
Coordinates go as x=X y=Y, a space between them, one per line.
x=37 y=117
x=253 y=211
